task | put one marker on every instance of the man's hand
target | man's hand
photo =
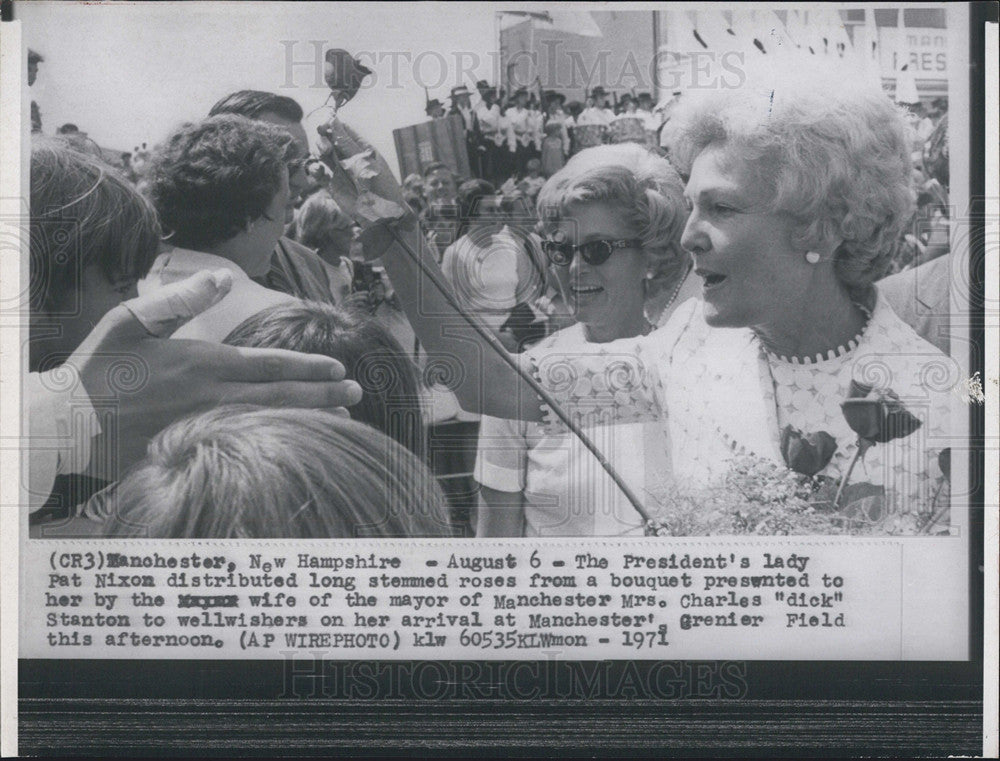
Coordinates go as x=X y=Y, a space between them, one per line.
x=364 y=187
x=129 y=365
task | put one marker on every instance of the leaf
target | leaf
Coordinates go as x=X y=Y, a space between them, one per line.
x=870 y=509
x=944 y=462
x=360 y=165
x=857 y=491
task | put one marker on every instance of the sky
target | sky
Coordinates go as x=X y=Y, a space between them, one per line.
x=128 y=73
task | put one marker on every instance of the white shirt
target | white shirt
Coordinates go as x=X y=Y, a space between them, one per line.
x=490 y=123
x=245 y=299
x=566 y=491
x=484 y=278
x=593 y=115
x=522 y=127
x=650 y=120
x=61 y=424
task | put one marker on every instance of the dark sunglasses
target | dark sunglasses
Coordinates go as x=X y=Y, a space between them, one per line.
x=593 y=252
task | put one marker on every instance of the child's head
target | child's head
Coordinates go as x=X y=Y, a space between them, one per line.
x=246 y=472
x=371 y=356
x=93 y=236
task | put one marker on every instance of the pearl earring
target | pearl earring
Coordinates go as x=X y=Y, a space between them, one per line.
x=812 y=257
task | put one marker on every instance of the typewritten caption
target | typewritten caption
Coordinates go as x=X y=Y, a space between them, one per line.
x=477 y=600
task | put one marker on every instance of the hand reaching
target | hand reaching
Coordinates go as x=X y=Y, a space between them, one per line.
x=364 y=187
x=173 y=378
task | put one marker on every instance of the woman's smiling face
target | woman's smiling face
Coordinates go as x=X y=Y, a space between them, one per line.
x=606 y=297
x=752 y=273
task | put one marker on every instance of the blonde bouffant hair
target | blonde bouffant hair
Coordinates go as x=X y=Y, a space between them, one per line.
x=642 y=185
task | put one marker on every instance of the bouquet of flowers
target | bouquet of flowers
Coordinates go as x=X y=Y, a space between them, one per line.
x=758 y=496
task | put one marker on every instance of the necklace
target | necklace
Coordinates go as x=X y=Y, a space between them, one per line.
x=677 y=290
x=839 y=351
x=673 y=297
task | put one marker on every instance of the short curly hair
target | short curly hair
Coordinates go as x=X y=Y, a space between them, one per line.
x=829 y=147
x=210 y=178
x=643 y=185
x=369 y=353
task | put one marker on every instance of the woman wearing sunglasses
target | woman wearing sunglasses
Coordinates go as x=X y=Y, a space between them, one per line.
x=612 y=217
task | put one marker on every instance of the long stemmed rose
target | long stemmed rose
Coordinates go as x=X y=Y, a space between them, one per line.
x=877 y=416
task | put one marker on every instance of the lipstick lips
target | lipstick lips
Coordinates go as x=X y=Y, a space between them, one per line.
x=711 y=279
x=586 y=290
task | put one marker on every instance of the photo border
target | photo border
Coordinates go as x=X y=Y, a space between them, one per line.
x=789 y=707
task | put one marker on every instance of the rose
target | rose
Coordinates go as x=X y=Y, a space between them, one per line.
x=944 y=462
x=808 y=453
x=877 y=416
x=344 y=74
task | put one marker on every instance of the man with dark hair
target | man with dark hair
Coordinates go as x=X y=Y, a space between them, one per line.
x=295 y=269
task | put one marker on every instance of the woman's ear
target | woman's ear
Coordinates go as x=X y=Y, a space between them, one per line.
x=820 y=238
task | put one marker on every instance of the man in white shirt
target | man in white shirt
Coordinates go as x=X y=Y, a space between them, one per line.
x=595 y=111
x=221 y=188
x=493 y=134
x=523 y=137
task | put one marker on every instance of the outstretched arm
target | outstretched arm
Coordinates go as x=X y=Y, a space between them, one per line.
x=475 y=365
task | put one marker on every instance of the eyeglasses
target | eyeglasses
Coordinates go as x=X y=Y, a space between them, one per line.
x=593 y=252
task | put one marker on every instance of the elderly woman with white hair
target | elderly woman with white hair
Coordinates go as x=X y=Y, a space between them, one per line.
x=799 y=186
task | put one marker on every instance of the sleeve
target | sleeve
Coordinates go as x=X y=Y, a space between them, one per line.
x=61 y=424
x=502 y=456
x=508 y=127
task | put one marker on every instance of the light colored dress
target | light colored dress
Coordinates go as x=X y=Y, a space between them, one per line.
x=722 y=394
x=566 y=491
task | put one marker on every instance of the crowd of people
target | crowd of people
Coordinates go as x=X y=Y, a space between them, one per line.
x=222 y=346
x=520 y=133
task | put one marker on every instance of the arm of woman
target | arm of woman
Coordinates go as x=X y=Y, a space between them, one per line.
x=483 y=382
x=501 y=470
x=501 y=513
